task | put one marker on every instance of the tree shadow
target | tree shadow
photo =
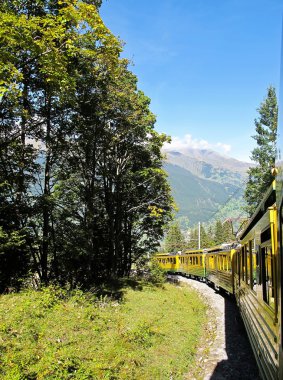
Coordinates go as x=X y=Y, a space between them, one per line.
x=241 y=363
x=115 y=289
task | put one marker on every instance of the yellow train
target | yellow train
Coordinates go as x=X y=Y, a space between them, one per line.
x=213 y=265
x=251 y=270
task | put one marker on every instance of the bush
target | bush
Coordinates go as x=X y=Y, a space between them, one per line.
x=157 y=275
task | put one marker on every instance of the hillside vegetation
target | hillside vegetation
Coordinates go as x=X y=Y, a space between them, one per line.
x=52 y=334
x=205 y=185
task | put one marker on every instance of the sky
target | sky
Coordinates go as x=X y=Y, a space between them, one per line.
x=205 y=64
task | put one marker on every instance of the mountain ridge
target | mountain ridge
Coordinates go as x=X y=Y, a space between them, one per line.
x=203 y=182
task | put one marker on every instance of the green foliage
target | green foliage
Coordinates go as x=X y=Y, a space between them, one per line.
x=9 y=241
x=80 y=162
x=13 y=258
x=260 y=176
x=219 y=233
x=233 y=208
x=157 y=275
x=184 y=223
x=193 y=238
x=55 y=334
x=206 y=239
x=214 y=234
x=174 y=240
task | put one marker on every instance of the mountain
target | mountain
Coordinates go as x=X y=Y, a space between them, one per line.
x=205 y=184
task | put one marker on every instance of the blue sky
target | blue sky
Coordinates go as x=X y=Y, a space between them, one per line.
x=205 y=64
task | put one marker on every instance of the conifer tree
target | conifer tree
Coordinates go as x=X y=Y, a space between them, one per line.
x=228 y=231
x=204 y=238
x=193 y=241
x=218 y=234
x=174 y=240
x=260 y=176
x=210 y=236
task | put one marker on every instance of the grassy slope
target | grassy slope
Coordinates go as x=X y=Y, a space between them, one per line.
x=151 y=334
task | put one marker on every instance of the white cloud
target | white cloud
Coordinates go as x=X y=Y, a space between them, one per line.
x=225 y=147
x=188 y=142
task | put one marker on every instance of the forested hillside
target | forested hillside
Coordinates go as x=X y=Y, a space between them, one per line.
x=206 y=185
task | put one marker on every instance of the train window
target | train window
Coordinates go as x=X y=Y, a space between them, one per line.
x=239 y=267
x=247 y=263
x=211 y=262
x=174 y=261
x=225 y=263
x=243 y=260
x=191 y=261
x=200 y=260
x=219 y=262
x=196 y=260
x=229 y=264
x=252 y=267
x=267 y=276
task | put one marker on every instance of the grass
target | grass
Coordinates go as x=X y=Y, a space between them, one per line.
x=151 y=334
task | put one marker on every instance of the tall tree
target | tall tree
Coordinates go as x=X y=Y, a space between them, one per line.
x=80 y=163
x=205 y=239
x=218 y=233
x=174 y=240
x=260 y=176
x=193 y=238
x=228 y=235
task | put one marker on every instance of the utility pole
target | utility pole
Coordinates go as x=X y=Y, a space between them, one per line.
x=198 y=235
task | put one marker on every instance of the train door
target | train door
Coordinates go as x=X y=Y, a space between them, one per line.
x=268 y=276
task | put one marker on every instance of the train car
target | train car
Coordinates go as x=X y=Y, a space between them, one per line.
x=257 y=285
x=168 y=262
x=279 y=202
x=192 y=263
x=219 y=268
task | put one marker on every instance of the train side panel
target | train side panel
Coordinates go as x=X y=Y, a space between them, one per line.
x=168 y=262
x=193 y=263
x=219 y=270
x=256 y=286
x=279 y=203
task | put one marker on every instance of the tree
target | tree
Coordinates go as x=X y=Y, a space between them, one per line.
x=218 y=233
x=228 y=235
x=210 y=236
x=174 y=240
x=117 y=197
x=81 y=179
x=193 y=238
x=260 y=176
x=205 y=239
